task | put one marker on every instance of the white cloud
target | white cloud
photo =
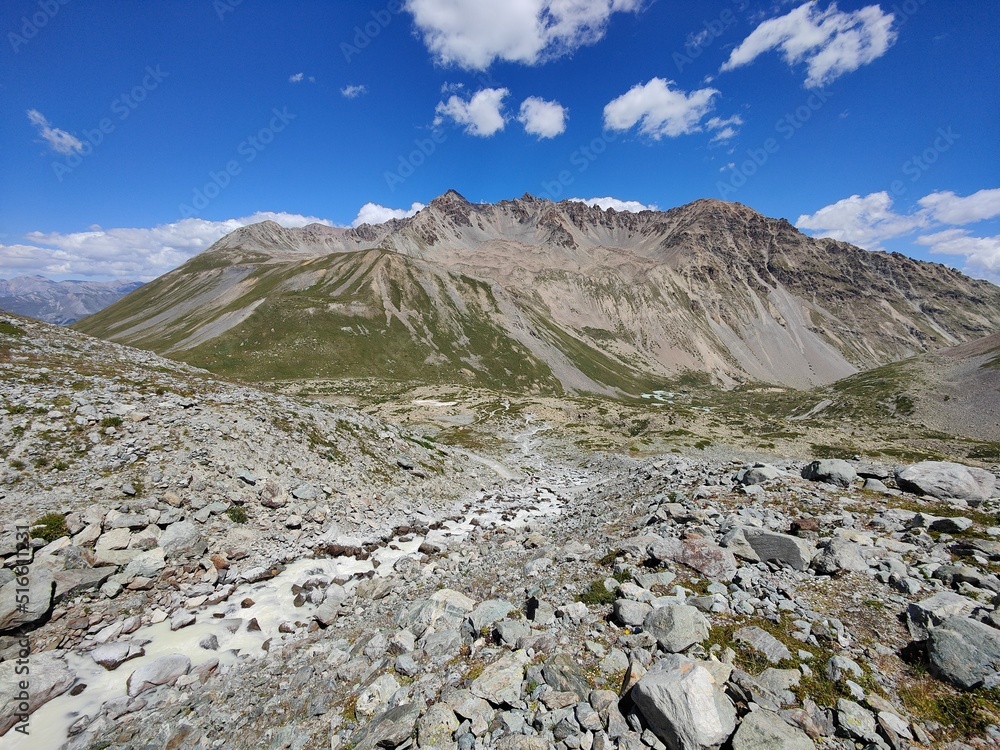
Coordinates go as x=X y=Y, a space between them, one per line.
x=982 y=254
x=542 y=118
x=830 y=42
x=58 y=139
x=353 y=92
x=473 y=34
x=481 y=115
x=616 y=204
x=373 y=213
x=863 y=221
x=133 y=253
x=867 y=221
x=659 y=110
x=726 y=129
x=296 y=78
x=949 y=208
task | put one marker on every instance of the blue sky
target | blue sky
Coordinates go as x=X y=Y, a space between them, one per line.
x=135 y=134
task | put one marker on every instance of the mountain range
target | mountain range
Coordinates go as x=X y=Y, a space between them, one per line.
x=538 y=296
x=60 y=302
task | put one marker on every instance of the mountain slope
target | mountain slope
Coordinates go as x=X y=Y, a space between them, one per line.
x=60 y=302
x=530 y=294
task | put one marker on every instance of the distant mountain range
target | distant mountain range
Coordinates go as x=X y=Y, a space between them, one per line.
x=60 y=302
x=539 y=296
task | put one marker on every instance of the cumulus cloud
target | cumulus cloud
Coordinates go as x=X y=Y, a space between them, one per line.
x=353 y=92
x=373 y=213
x=473 y=34
x=830 y=42
x=982 y=254
x=659 y=110
x=296 y=77
x=482 y=115
x=543 y=118
x=618 y=205
x=863 y=221
x=132 y=253
x=949 y=208
x=58 y=139
x=868 y=221
x=724 y=129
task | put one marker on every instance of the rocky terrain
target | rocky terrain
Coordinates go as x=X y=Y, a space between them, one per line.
x=213 y=566
x=561 y=298
x=60 y=302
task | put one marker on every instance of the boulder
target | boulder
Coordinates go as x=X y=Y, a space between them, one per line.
x=830 y=470
x=676 y=627
x=146 y=565
x=965 y=652
x=630 y=614
x=840 y=555
x=683 y=705
x=923 y=615
x=436 y=727
x=41 y=589
x=162 y=671
x=764 y=730
x=389 y=729
x=763 y=643
x=182 y=539
x=488 y=612
x=697 y=553
x=445 y=608
x=500 y=682
x=48 y=679
x=947 y=481
x=784 y=548
x=563 y=674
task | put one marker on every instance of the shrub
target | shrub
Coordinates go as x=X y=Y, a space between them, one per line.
x=50 y=527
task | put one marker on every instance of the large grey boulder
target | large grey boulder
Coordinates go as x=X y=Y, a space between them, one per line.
x=947 y=481
x=446 y=608
x=676 y=627
x=965 y=652
x=146 y=565
x=697 y=553
x=764 y=730
x=436 y=727
x=770 y=545
x=927 y=613
x=840 y=555
x=390 y=728
x=683 y=705
x=162 y=671
x=182 y=539
x=763 y=643
x=41 y=588
x=629 y=613
x=48 y=679
x=500 y=682
x=830 y=470
x=489 y=612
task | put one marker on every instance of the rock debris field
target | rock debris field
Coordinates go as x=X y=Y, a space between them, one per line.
x=215 y=566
